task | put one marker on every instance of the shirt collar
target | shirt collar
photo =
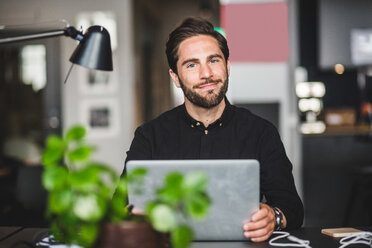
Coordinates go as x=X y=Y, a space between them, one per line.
x=225 y=117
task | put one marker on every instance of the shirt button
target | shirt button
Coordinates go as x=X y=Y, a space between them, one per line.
x=192 y=125
x=221 y=124
x=198 y=123
x=206 y=132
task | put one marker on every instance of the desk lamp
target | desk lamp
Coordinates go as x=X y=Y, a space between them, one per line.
x=93 y=51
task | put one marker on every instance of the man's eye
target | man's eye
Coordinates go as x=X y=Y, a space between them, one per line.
x=214 y=60
x=190 y=65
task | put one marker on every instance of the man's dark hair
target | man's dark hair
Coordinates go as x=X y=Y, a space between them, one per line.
x=188 y=28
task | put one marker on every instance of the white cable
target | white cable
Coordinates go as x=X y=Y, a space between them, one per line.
x=51 y=243
x=357 y=238
x=297 y=242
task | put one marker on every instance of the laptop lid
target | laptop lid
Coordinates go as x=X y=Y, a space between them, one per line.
x=233 y=187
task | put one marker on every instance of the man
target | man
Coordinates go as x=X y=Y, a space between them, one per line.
x=207 y=126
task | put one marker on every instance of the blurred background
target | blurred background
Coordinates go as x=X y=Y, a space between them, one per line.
x=303 y=65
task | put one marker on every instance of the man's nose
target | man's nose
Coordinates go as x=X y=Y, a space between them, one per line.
x=205 y=71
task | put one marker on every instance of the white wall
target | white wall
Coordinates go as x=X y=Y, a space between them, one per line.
x=111 y=150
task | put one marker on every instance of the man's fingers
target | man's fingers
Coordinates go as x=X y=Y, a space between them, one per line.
x=251 y=226
x=260 y=214
x=261 y=225
x=260 y=219
x=137 y=211
x=262 y=238
x=259 y=234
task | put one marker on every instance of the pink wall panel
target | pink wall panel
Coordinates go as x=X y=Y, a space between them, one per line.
x=256 y=32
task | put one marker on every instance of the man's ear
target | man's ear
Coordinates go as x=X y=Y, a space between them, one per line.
x=175 y=78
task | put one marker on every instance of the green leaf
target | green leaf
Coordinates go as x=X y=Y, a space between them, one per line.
x=121 y=188
x=56 y=231
x=104 y=174
x=172 y=192
x=75 y=133
x=150 y=206
x=60 y=201
x=54 y=142
x=136 y=174
x=119 y=210
x=79 y=154
x=119 y=201
x=54 y=150
x=182 y=236
x=54 y=177
x=87 y=235
x=89 y=207
x=163 y=218
x=195 y=181
x=173 y=180
x=68 y=220
x=70 y=228
x=102 y=169
x=197 y=206
x=84 y=180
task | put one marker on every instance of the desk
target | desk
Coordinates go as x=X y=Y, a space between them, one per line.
x=6 y=232
x=317 y=240
x=23 y=237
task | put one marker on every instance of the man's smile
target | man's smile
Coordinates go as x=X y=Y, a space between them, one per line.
x=209 y=85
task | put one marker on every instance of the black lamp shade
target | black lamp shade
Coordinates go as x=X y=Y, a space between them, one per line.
x=94 y=50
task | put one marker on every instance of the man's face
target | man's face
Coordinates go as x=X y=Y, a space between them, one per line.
x=202 y=71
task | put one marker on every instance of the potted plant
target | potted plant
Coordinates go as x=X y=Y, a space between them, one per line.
x=87 y=201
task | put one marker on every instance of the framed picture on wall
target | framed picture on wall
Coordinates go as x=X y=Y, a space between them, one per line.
x=100 y=116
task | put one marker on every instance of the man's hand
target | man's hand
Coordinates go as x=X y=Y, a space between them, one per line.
x=261 y=225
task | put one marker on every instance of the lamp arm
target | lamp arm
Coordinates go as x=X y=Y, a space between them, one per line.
x=93 y=51
x=69 y=31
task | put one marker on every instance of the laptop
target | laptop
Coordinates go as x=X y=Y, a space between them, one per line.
x=233 y=186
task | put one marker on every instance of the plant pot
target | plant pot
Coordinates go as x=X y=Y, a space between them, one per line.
x=130 y=235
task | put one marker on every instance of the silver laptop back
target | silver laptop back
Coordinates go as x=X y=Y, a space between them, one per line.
x=233 y=187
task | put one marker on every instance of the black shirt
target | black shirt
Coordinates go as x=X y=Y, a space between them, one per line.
x=238 y=134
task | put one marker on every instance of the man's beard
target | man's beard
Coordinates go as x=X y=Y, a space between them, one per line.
x=212 y=99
